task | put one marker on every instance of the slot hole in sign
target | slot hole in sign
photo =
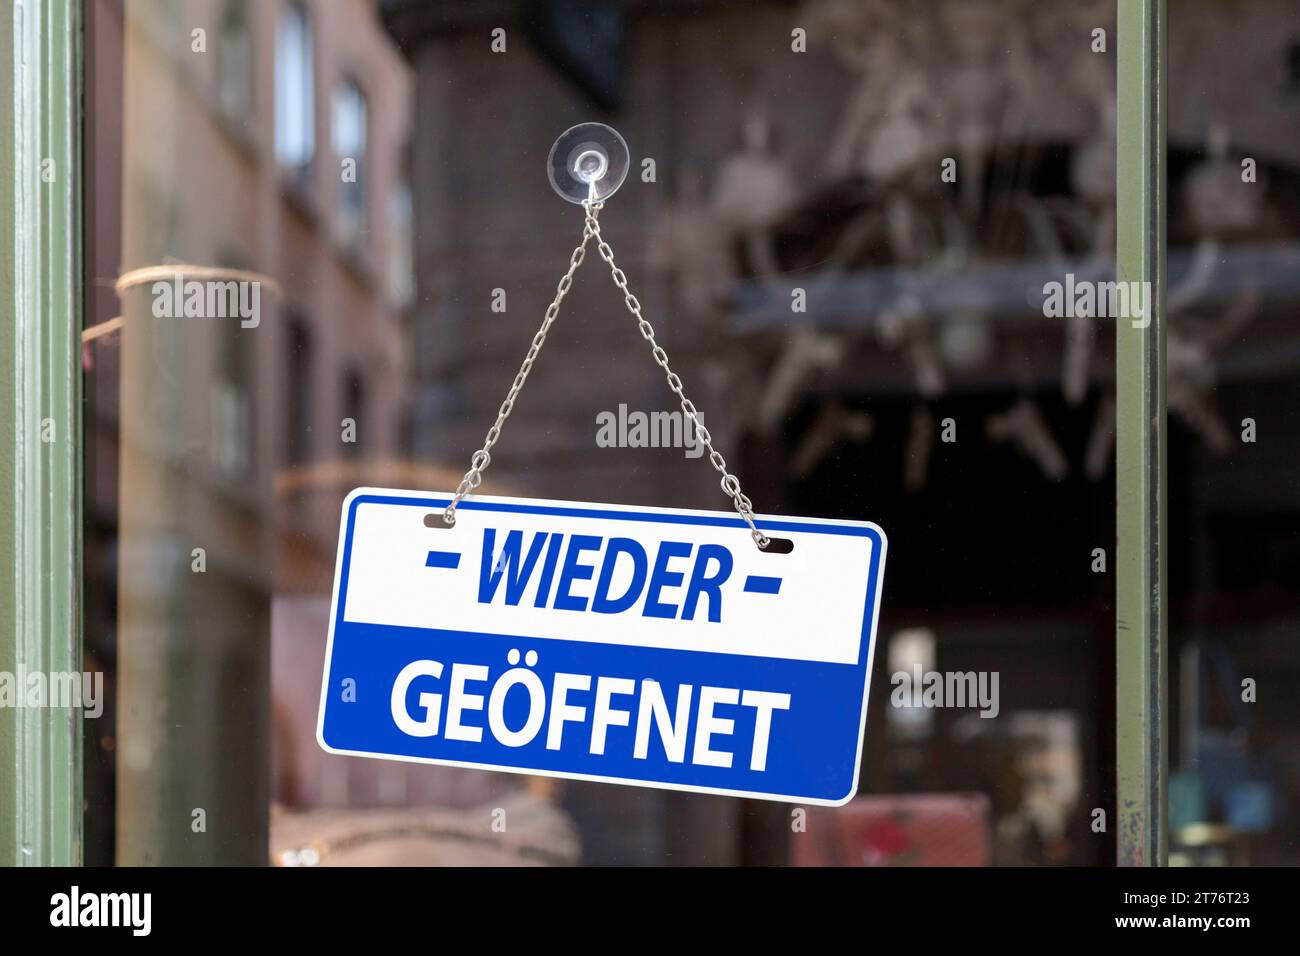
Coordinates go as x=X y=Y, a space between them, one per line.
x=434 y=520
x=778 y=546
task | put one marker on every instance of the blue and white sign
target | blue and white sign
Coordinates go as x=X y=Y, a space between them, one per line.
x=644 y=646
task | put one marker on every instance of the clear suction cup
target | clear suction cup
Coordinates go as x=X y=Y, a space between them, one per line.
x=588 y=162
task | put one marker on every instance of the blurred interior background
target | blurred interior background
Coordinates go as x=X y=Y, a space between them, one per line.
x=865 y=338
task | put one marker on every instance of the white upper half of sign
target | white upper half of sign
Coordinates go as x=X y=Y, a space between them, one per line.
x=816 y=615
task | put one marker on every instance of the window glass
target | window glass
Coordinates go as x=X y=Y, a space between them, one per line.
x=349 y=142
x=295 y=81
x=1234 y=410
x=877 y=242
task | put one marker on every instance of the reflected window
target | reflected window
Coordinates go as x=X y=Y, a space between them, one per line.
x=348 y=131
x=298 y=400
x=232 y=390
x=911 y=657
x=295 y=140
x=235 y=61
x=401 y=253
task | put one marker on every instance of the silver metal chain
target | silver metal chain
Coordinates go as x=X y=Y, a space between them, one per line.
x=483 y=457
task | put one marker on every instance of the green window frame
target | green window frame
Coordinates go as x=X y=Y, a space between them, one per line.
x=1141 y=679
x=40 y=426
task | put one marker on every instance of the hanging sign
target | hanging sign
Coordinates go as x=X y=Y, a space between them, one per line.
x=645 y=646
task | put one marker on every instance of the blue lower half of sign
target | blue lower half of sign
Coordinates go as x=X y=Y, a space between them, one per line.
x=714 y=722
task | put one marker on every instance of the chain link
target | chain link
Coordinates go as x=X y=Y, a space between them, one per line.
x=483 y=457
x=730 y=483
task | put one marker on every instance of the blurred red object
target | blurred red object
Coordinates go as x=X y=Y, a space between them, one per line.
x=927 y=829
